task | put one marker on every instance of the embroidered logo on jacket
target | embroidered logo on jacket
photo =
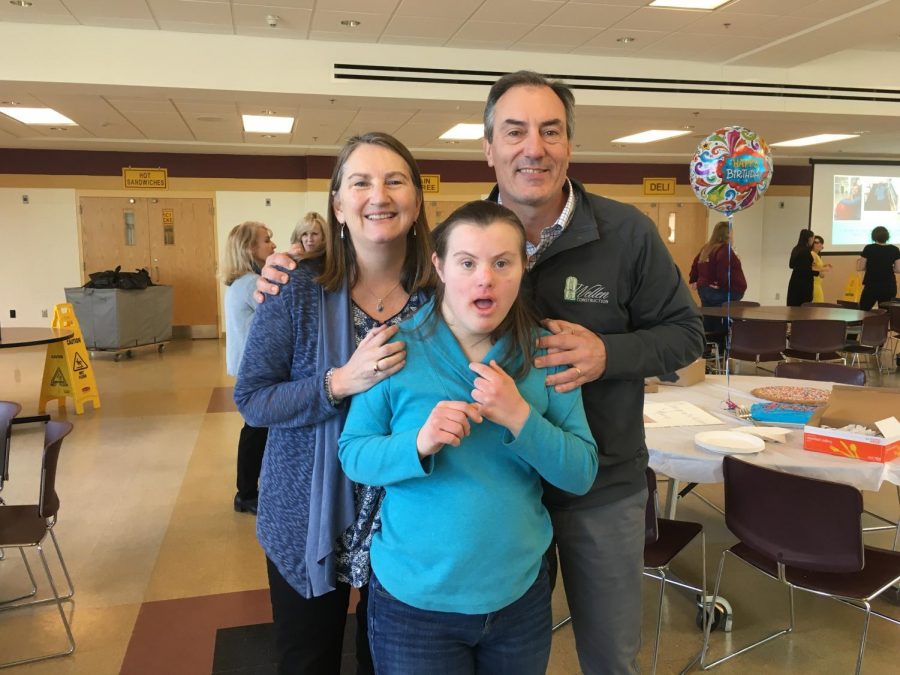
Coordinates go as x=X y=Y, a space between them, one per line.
x=576 y=292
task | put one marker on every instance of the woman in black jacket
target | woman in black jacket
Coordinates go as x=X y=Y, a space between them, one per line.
x=800 y=287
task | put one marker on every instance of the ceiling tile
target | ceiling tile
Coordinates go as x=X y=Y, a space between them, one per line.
x=422 y=26
x=504 y=33
x=827 y=9
x=365 y=6
x=706 y=48
x=750 y=25
x=608 y=40
x=413 y=41
x=518 y=11
x=50 y=11
x=251 y=20
x=277 y=4
x=330 y=21
x=90 y=12
x=652 y=18
x=181 y=12
x=584 y=14
x=566 y=37
x=438 y=9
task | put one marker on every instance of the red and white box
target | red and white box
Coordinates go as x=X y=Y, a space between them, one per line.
x=856 y=446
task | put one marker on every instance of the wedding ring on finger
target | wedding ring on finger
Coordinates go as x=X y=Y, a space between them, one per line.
x=578 y=370
x=376 y=369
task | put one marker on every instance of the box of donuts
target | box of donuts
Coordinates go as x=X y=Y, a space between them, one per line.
x=857 y=422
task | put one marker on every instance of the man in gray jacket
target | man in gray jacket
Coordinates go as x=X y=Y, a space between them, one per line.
x=619 y=312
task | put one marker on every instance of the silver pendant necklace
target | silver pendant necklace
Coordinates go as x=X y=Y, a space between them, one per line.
x=380 y=304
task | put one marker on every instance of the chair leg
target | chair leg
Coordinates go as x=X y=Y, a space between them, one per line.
x=8 y=604
x=62 y=615
x=753 y=645
x=862 y=642
x=662 y=591
x=62 y=563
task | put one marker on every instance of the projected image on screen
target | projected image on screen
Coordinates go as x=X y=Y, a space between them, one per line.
x=862 y=203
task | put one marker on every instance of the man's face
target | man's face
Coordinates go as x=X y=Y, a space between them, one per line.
x=529 y=149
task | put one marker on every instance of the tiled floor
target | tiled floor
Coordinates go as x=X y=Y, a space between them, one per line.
x=160 y=560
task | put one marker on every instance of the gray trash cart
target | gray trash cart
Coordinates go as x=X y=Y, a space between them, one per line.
x=118 y=321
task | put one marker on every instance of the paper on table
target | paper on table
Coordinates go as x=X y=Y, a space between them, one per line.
x=888 y=427
x=676 y=414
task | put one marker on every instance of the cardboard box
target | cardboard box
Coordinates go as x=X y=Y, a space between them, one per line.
x=683 y=377
x=854 y=405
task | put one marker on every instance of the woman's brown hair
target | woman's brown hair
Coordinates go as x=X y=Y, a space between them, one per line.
x=238 y=258
x=718 y=237
x=520 y=323
x=340 y=256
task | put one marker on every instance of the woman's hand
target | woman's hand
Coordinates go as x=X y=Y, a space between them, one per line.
x=271 y=279
x=447 y=424
x=499 y=397
x=373 y=360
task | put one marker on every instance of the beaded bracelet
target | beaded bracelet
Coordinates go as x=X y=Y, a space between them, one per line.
x=328 y=393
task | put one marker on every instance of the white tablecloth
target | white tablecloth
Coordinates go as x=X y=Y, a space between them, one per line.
x=672 y=450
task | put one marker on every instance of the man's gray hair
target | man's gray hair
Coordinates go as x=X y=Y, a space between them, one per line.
x=528 y=78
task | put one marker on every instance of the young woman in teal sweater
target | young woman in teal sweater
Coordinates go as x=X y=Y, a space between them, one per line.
x=461 y=439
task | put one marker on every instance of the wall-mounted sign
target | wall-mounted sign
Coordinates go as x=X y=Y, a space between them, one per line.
x=431 y=182
x=659 y=186
x=168 y=216
x=152 y=179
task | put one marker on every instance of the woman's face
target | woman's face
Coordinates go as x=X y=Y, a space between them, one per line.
x=377 y=198
x=482 y=272
x=263 y=246
x=312 y=239
x=818 y=245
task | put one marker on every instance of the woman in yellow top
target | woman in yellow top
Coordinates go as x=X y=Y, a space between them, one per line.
x=820 y=267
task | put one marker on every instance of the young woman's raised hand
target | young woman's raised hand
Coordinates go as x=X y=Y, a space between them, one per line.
x=499 y=397
x=447 y=424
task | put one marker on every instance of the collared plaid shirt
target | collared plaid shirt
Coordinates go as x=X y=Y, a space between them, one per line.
x=551 y=232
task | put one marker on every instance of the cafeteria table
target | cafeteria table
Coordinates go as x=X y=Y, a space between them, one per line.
x=782 y=313
x=673 y=453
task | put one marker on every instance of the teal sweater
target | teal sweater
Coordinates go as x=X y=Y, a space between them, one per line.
x=464 y=530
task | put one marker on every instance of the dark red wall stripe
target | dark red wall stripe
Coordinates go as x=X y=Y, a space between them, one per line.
x=94 y=163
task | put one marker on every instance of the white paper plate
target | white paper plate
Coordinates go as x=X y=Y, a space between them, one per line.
x=729 y=442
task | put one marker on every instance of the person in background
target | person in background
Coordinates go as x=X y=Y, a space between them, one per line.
x=322 y=340
x=469 y=429
x=819 y=267
x=246 y=250
x=717 y=275
x=800 y=286
x=309 y=234
x=880 y=261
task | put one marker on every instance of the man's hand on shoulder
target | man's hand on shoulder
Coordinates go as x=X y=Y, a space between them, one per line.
x=271 y=279
x=574 y=346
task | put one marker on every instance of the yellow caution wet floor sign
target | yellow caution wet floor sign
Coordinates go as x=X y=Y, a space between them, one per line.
x=67 y=367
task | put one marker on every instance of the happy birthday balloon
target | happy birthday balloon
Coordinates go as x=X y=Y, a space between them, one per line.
x=731 y=169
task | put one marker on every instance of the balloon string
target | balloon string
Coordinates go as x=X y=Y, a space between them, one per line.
x=731 y=405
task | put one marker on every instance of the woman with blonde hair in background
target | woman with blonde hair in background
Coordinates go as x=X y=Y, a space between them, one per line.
x=309 y=234
x=820 y=267
x=246 y=250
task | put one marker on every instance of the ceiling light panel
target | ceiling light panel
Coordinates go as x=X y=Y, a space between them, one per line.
x=813 y=140
x=268 y=124
x=464 y=132
x=37 y=116
x=651 y=136
x=706 y=5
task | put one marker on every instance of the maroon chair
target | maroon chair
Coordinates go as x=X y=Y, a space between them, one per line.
x=817 y=340
x=871 y=339
x=26 y=526
x=664 y=539
x=8 y=410
x=743 y=303
x=822 y=372
x=757 y=341
x=806 y=534
x=894 y=311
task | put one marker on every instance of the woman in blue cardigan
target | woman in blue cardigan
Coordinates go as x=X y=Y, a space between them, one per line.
x=461 y=439
x=322 y=340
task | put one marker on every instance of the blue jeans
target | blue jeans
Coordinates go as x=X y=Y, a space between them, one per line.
x=715 y=297
x=512 y=641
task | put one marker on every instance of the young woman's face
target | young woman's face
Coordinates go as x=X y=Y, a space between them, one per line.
x=818 y=245
x=312 y=239
x=377 y=198
x=263 y=246
x=482 y=272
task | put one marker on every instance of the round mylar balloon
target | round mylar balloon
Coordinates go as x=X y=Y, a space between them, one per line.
x=731 y=169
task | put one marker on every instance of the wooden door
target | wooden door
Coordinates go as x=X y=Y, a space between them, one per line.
x=438 y=211
x=182 y=252
x=114 y=232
